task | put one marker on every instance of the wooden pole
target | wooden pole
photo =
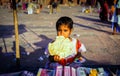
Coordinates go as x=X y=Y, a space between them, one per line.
x=16 y=33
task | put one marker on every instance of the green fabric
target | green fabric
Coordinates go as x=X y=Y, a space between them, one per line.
x=118 y=4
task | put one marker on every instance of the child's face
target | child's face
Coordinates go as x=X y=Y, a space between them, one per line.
x=64 y=30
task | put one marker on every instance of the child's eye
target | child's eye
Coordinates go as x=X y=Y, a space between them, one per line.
x=65 y=30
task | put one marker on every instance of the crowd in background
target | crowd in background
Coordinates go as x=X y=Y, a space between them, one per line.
x=105 y=8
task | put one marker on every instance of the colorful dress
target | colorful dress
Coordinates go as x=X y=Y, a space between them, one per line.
x=116 y=19
x=67 y=57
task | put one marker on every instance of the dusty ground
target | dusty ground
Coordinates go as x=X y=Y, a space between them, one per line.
x=36 y=30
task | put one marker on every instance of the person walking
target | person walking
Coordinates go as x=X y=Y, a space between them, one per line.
x=104 y=11
x=116 y=18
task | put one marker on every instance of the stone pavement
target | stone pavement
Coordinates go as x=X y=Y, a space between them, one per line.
x=37 y=30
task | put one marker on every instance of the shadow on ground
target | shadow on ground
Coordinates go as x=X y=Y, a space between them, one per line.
x=32 y=62
x=93 y=28
x=8 y=30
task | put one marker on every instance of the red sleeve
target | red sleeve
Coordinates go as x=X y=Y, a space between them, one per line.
x=62 y=62
x=78 y=45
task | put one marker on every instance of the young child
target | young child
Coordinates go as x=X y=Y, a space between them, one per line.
x=64 y=49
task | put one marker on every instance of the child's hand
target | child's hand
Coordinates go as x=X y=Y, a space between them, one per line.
x=56 y=58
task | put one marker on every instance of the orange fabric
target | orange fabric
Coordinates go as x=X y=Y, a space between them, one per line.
x=114 y=1
x=112 y=9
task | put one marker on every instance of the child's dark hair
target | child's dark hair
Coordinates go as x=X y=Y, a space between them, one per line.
x=64 y=20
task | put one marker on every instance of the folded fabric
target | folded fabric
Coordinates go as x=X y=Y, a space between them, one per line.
x=62 y=47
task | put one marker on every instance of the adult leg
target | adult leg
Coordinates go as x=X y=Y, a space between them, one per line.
x=114 y=28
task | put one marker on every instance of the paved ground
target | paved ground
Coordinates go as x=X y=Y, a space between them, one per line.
x=36 y=30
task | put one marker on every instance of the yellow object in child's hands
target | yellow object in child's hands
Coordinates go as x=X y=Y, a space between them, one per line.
x=62 y=47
